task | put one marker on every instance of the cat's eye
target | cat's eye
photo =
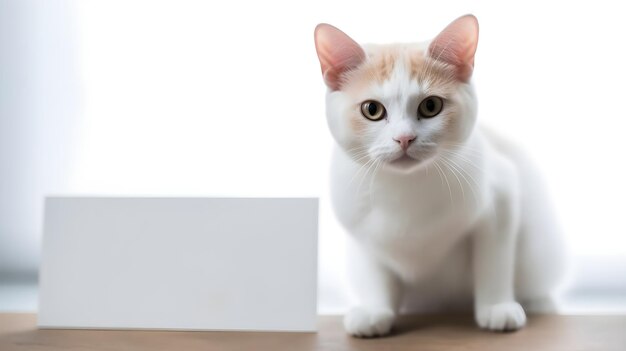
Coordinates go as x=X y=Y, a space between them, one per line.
x=373 y=110
x=430 y=107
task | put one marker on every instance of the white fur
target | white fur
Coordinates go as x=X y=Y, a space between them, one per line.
x=469 y=222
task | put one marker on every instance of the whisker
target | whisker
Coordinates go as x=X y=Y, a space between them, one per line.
x=456 y=147
x=461 y=170
x=376 y=169
x=446 y=179
x=445 y=163
x=362 y=157
x=359 y=171
x=463 y=158
x=365 y=174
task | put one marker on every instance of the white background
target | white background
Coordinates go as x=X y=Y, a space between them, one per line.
x=225 y=98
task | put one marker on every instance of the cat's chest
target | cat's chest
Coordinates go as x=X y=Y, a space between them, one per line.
x=407 y=209
x=409 y=230
x=412 y=226
x=403 y=212
x=400 y=203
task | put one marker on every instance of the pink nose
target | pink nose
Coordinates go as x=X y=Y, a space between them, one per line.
x=405 y=141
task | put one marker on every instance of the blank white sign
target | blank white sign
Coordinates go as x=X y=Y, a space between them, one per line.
x=179 y=263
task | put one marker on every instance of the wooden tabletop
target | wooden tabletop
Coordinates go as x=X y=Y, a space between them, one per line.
x=450 y=332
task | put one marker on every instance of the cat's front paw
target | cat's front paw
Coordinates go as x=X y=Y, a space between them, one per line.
x=366 y=322
x=506 y=316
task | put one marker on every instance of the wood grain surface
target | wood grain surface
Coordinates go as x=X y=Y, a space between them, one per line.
x=439 y=332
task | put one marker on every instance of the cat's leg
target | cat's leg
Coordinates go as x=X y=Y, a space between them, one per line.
x=494 y=261
x=541 y=261
x=542 y=258
x=378 y=292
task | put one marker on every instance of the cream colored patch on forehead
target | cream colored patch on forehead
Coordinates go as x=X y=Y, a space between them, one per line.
x=383 y=61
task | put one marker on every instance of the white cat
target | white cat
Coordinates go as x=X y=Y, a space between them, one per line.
x=441 y=213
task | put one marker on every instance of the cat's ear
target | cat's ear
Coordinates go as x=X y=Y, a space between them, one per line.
x=456 y=45
x=337 y=53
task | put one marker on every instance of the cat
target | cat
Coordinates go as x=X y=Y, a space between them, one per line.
x=441 y=213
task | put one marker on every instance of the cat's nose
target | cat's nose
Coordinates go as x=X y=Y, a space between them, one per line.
x=405 y=140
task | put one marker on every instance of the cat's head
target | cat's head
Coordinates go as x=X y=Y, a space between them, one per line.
x=401 y=104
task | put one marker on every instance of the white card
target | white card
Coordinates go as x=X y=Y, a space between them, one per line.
x=179 y=263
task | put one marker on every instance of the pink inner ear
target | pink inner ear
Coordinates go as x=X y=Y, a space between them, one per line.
x=337 y=53
x=456 y=45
